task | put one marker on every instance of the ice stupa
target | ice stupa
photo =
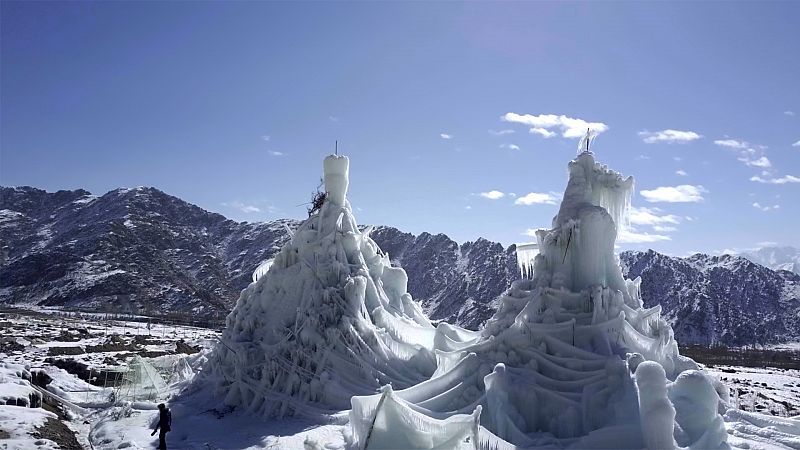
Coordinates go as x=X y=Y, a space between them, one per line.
x=327 y=319
x=571 y=359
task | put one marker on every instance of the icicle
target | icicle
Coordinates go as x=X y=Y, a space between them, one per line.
x=526 y=255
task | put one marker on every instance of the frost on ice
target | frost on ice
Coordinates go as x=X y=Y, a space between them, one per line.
x=571 y=359
x=327 y=319
x=557 y=364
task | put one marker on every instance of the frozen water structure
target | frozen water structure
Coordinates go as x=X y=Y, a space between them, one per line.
x=571 y=359
x=327 y=319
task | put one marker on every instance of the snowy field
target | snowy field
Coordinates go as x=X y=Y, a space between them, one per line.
x=31 y=339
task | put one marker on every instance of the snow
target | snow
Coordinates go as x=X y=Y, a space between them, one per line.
x=85 y=200
x=21 y=420
x=21 y=423
x=7 y=215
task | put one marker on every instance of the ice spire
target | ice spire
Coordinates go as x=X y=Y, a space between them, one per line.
x=586 y=140
x=327 y=319
x=336 y=170
x=554 y=366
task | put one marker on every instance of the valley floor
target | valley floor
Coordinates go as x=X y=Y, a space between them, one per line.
x=97 y=355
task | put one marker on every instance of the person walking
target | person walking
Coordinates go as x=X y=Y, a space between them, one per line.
x=164 y=424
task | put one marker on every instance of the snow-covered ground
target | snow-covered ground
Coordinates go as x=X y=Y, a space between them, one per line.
x=768 y=391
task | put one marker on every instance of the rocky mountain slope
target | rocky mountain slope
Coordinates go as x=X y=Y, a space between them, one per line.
x=143 y=251
x=719 y=300
x=455 y=283
x=133 y=250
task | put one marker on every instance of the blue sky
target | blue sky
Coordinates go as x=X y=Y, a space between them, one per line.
x=442 y=108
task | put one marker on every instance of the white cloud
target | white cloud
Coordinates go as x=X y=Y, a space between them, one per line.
x=243 y=207
x=762 y=162
x=530 y=232
x=796 y=144
x=493 y=195
x=543 y=132
x=275 y=153
x=544 y=124
x=789 y=113
x=633 y=237
x=751 y=155
x=664 y=229
x=757 y=205
x=685 y=193
x=333 y=118
x=731 y=143
x=468 y=207
x=681 y=173
x=538 y=198
x=510 y=146
x=265 y=138
x=668 y=136
x=650 y=216
x=782 y=180
x=445 y=136
x=500 y=132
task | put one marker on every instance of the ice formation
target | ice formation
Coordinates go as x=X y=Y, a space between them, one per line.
x=571 y=358
x=526 y=256
x=327 y=319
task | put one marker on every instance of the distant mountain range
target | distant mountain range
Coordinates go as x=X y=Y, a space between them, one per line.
x=141 y=250
x=776 y=258
x=719 y=300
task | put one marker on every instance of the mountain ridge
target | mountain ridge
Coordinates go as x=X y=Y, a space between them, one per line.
x=142 y=250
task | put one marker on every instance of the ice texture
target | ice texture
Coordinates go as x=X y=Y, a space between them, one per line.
x=571 y=359
x=526 y=255
x=327 y=319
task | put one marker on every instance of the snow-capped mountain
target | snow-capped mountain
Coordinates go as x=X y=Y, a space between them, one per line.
x=134 y=250
x=776 y=258
x=719 y=300
x=455 y=283
x=141 y=250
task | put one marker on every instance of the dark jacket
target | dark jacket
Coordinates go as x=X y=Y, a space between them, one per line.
x=165 y=420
